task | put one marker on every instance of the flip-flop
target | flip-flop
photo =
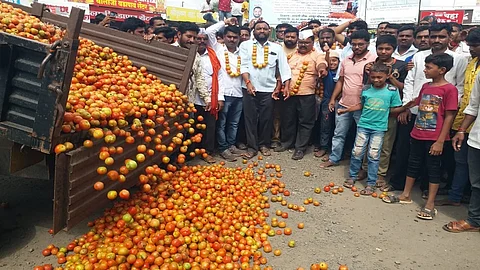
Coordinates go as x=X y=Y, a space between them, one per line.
x=349 y=183
x=460 y=226
x=325 y=158
x=392 y=199
x=427 y=214
x=328 y=164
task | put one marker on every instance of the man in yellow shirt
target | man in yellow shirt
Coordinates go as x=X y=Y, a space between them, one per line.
x=460 y=176
x=298 y=111
x=245 y=11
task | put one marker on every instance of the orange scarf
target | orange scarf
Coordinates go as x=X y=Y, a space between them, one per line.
x=215 y=86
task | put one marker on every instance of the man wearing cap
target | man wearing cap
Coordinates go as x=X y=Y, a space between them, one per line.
x=298 y=112
x=214 y=77
x=260 y=59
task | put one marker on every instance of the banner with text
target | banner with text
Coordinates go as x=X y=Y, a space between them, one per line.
x=139 y=5
x=180 y=14
x=64 y=8
x=297 y=11
x=445 y=16
x=122 y=14
x=400 y=11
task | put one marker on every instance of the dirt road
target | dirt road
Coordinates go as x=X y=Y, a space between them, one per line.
x=363 y=233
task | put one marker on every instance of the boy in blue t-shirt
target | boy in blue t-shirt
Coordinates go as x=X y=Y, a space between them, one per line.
x=378 y=100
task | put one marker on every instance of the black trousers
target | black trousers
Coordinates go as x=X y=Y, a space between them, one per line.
x=208 y=138
x=258 y=115
x=298 y=120
x=402 y=153
x=241 y=134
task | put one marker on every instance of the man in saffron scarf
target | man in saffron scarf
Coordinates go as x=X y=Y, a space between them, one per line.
x=214 y=76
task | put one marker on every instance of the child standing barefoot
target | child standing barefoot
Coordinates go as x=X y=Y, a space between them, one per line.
x=437 y=106
x=378 y=100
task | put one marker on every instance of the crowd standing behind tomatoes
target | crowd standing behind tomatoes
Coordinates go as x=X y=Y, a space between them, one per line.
x=184 y=217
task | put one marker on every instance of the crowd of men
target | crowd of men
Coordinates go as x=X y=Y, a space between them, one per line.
x=412 y=92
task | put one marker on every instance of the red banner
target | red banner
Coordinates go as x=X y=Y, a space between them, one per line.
x=140 y=5
x=445 y=16
x=122 y=14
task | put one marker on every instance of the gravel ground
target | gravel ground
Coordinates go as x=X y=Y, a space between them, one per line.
x=362 y=233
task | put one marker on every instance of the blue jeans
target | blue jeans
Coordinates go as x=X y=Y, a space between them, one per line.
x=342 y=125
x=223 y=14
x=460 y=177
x=374 y=140
x=228 y=119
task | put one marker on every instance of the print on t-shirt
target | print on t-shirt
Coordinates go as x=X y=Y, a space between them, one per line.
x=427 y=112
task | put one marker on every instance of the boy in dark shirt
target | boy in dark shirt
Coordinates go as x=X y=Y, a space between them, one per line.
x=437 y=106
x=385 y=47
x=324 y=124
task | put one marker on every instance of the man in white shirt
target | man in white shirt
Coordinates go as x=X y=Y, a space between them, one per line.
x=237 y=12
x=457 y=44
x=472 y=223
x=260 y=59
x=405 y=47
x=207 y=10
x=229 y=116
x=439 y=37
x=211 y=72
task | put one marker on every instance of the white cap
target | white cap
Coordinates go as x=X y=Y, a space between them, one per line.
x=305 y=34
x=334 y=53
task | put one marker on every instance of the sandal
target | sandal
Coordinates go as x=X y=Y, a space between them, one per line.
x=319 y=152
x=391 y=199
x=325 y=158
x=460 y=226
x=426 y=214
x=367 y=191
x=265 y=151
x=447 y=202
x=327 y=164
x=349 y=183
x=249 y=154
x=380 y=183
x=387 y=188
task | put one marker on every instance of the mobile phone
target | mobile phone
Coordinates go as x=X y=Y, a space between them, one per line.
x=113 y=14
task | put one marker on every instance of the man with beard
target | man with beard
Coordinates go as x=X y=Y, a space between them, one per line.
x=229 y=116
x=298 y=112
x=350 y=86
x=405 y=46
x=460 y=177
x=353 y=26
x=186 y=38
x=260 y=60
x=214 y=77
x=439 y=37
x=326 y=41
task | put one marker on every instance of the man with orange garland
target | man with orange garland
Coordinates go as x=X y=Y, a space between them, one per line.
x=298 y=111
x=260 y=60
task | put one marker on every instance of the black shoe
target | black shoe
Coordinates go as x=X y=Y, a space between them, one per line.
x=280 y=149
x=275 y=145
x=297 y=155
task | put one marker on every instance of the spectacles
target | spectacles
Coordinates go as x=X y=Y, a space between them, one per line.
x=359 y=45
